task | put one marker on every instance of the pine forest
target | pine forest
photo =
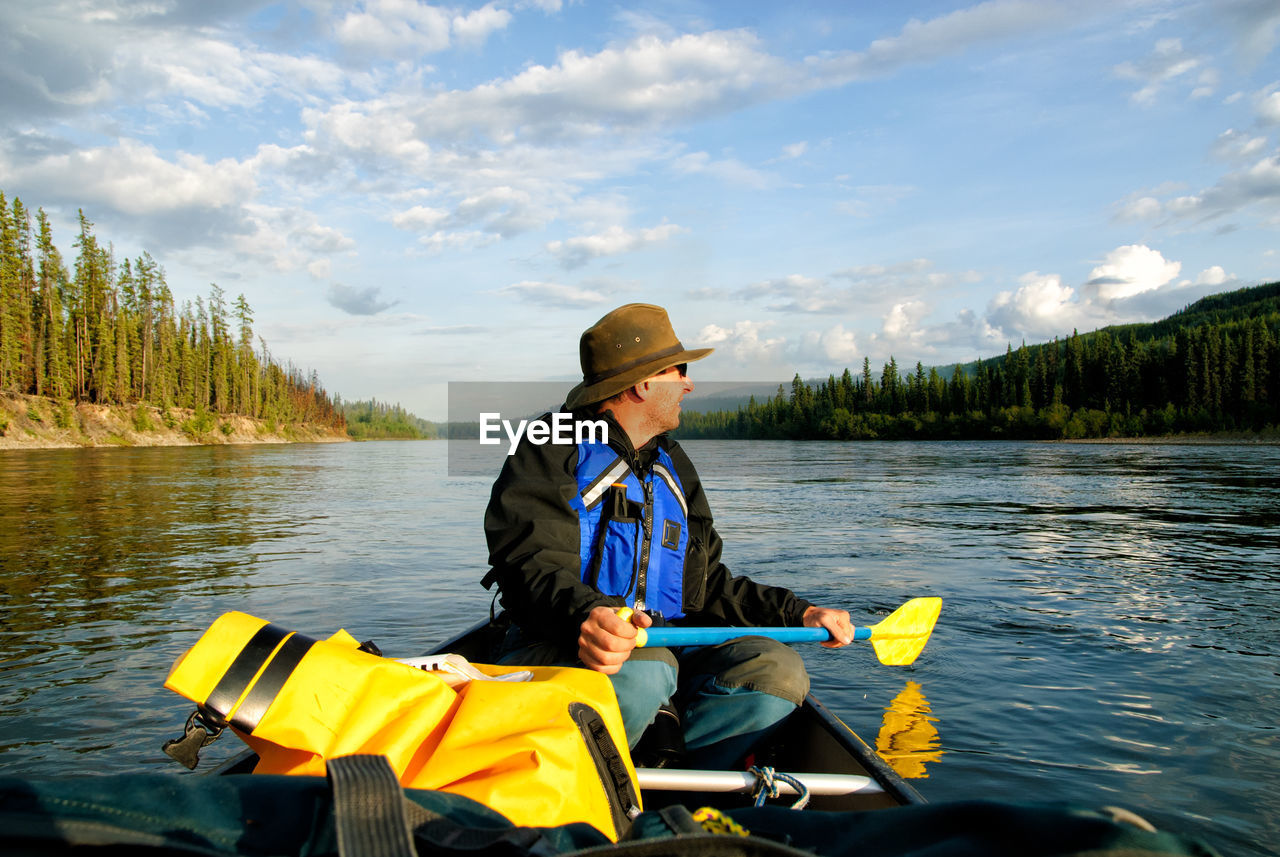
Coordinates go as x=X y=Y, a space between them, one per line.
x=1212 y=368
x=106 y=331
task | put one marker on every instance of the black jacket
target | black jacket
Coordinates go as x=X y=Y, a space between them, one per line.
x=533 y=547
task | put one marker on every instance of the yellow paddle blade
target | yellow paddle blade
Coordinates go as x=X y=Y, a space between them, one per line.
x=899 y=639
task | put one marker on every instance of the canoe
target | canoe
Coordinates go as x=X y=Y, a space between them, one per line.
x=838 y=769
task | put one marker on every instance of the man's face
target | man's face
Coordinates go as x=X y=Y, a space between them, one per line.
x=668 y=389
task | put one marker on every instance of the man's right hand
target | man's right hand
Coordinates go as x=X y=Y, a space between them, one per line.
x=606 y=641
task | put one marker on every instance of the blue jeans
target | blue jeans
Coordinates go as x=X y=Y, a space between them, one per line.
x=730 y=695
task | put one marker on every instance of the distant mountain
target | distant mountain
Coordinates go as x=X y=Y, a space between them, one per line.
x=708 y=396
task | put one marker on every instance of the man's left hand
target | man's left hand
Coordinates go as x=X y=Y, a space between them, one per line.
x=836 y=622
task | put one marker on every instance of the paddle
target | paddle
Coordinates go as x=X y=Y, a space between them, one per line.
x=897 y=640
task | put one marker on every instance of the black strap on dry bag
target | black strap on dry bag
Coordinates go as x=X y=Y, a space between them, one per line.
x=210 y=717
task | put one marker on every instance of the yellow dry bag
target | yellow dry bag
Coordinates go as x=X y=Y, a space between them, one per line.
x=543 y=752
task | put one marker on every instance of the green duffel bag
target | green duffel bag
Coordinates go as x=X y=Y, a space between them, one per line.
x=360 y=810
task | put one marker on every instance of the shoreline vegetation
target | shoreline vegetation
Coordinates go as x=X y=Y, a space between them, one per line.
x=38 y=422
x=103 y=343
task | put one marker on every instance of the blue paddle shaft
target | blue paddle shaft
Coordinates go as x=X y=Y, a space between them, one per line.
x=674 y=635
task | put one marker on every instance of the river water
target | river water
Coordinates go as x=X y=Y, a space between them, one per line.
x=1109 y=634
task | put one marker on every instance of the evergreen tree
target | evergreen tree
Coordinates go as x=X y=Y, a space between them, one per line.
x=1073 y=380
x=868 y=392
x=10 y=298
x=52 y=375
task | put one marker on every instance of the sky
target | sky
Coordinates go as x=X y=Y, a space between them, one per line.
x=411 y=195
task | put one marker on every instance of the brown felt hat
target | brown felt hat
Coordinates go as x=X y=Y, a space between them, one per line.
x=628 y=345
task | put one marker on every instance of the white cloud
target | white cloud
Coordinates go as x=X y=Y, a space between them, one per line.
x=876 y=271
x=1269 y=105
x=745 y=342
x=283 y=238
x=903 y=332
x=1131 y=270
x=902 y=321
x=1133 y=283
x=60 y=61
x=796 y=293
x=554 y=295
x=442 y=240
x=356 y=301
x=154 y=66
x=1233 y=145
x=643 y=84
x=577 y=251
x=380 y=128
x=1167 y=62
x=835 y=345
x=475 y=27
x=394 y=28
x=1142 y=208
x=420 y=218
x=1209 y=81
x=1214 y=276
x=869 y=288
x=947 y=35
x=209 y=209
x=322 y=239
x=969 y=333
x=506 y=211
x=503 y=211
x=134 y=178
x=1041 y=307
x=1256 y=184
x=795 y=150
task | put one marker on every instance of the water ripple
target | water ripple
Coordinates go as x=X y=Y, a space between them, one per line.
x=1109 y=631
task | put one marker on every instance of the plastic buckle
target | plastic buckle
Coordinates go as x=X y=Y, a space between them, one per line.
x=197 y=735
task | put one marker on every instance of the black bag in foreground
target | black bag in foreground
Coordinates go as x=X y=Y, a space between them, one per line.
x=360 y=810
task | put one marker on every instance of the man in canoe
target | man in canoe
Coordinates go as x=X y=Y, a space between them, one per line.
x=579 y=530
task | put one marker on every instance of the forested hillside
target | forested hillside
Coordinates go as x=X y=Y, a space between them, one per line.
x=106 y=331
x=1213 y=367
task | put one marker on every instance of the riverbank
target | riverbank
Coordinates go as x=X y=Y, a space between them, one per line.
x=35 y=422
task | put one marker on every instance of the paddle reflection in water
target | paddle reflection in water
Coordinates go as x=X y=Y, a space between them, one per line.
x=908 y=738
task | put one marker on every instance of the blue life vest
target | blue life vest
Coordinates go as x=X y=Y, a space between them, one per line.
x=633 y=530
